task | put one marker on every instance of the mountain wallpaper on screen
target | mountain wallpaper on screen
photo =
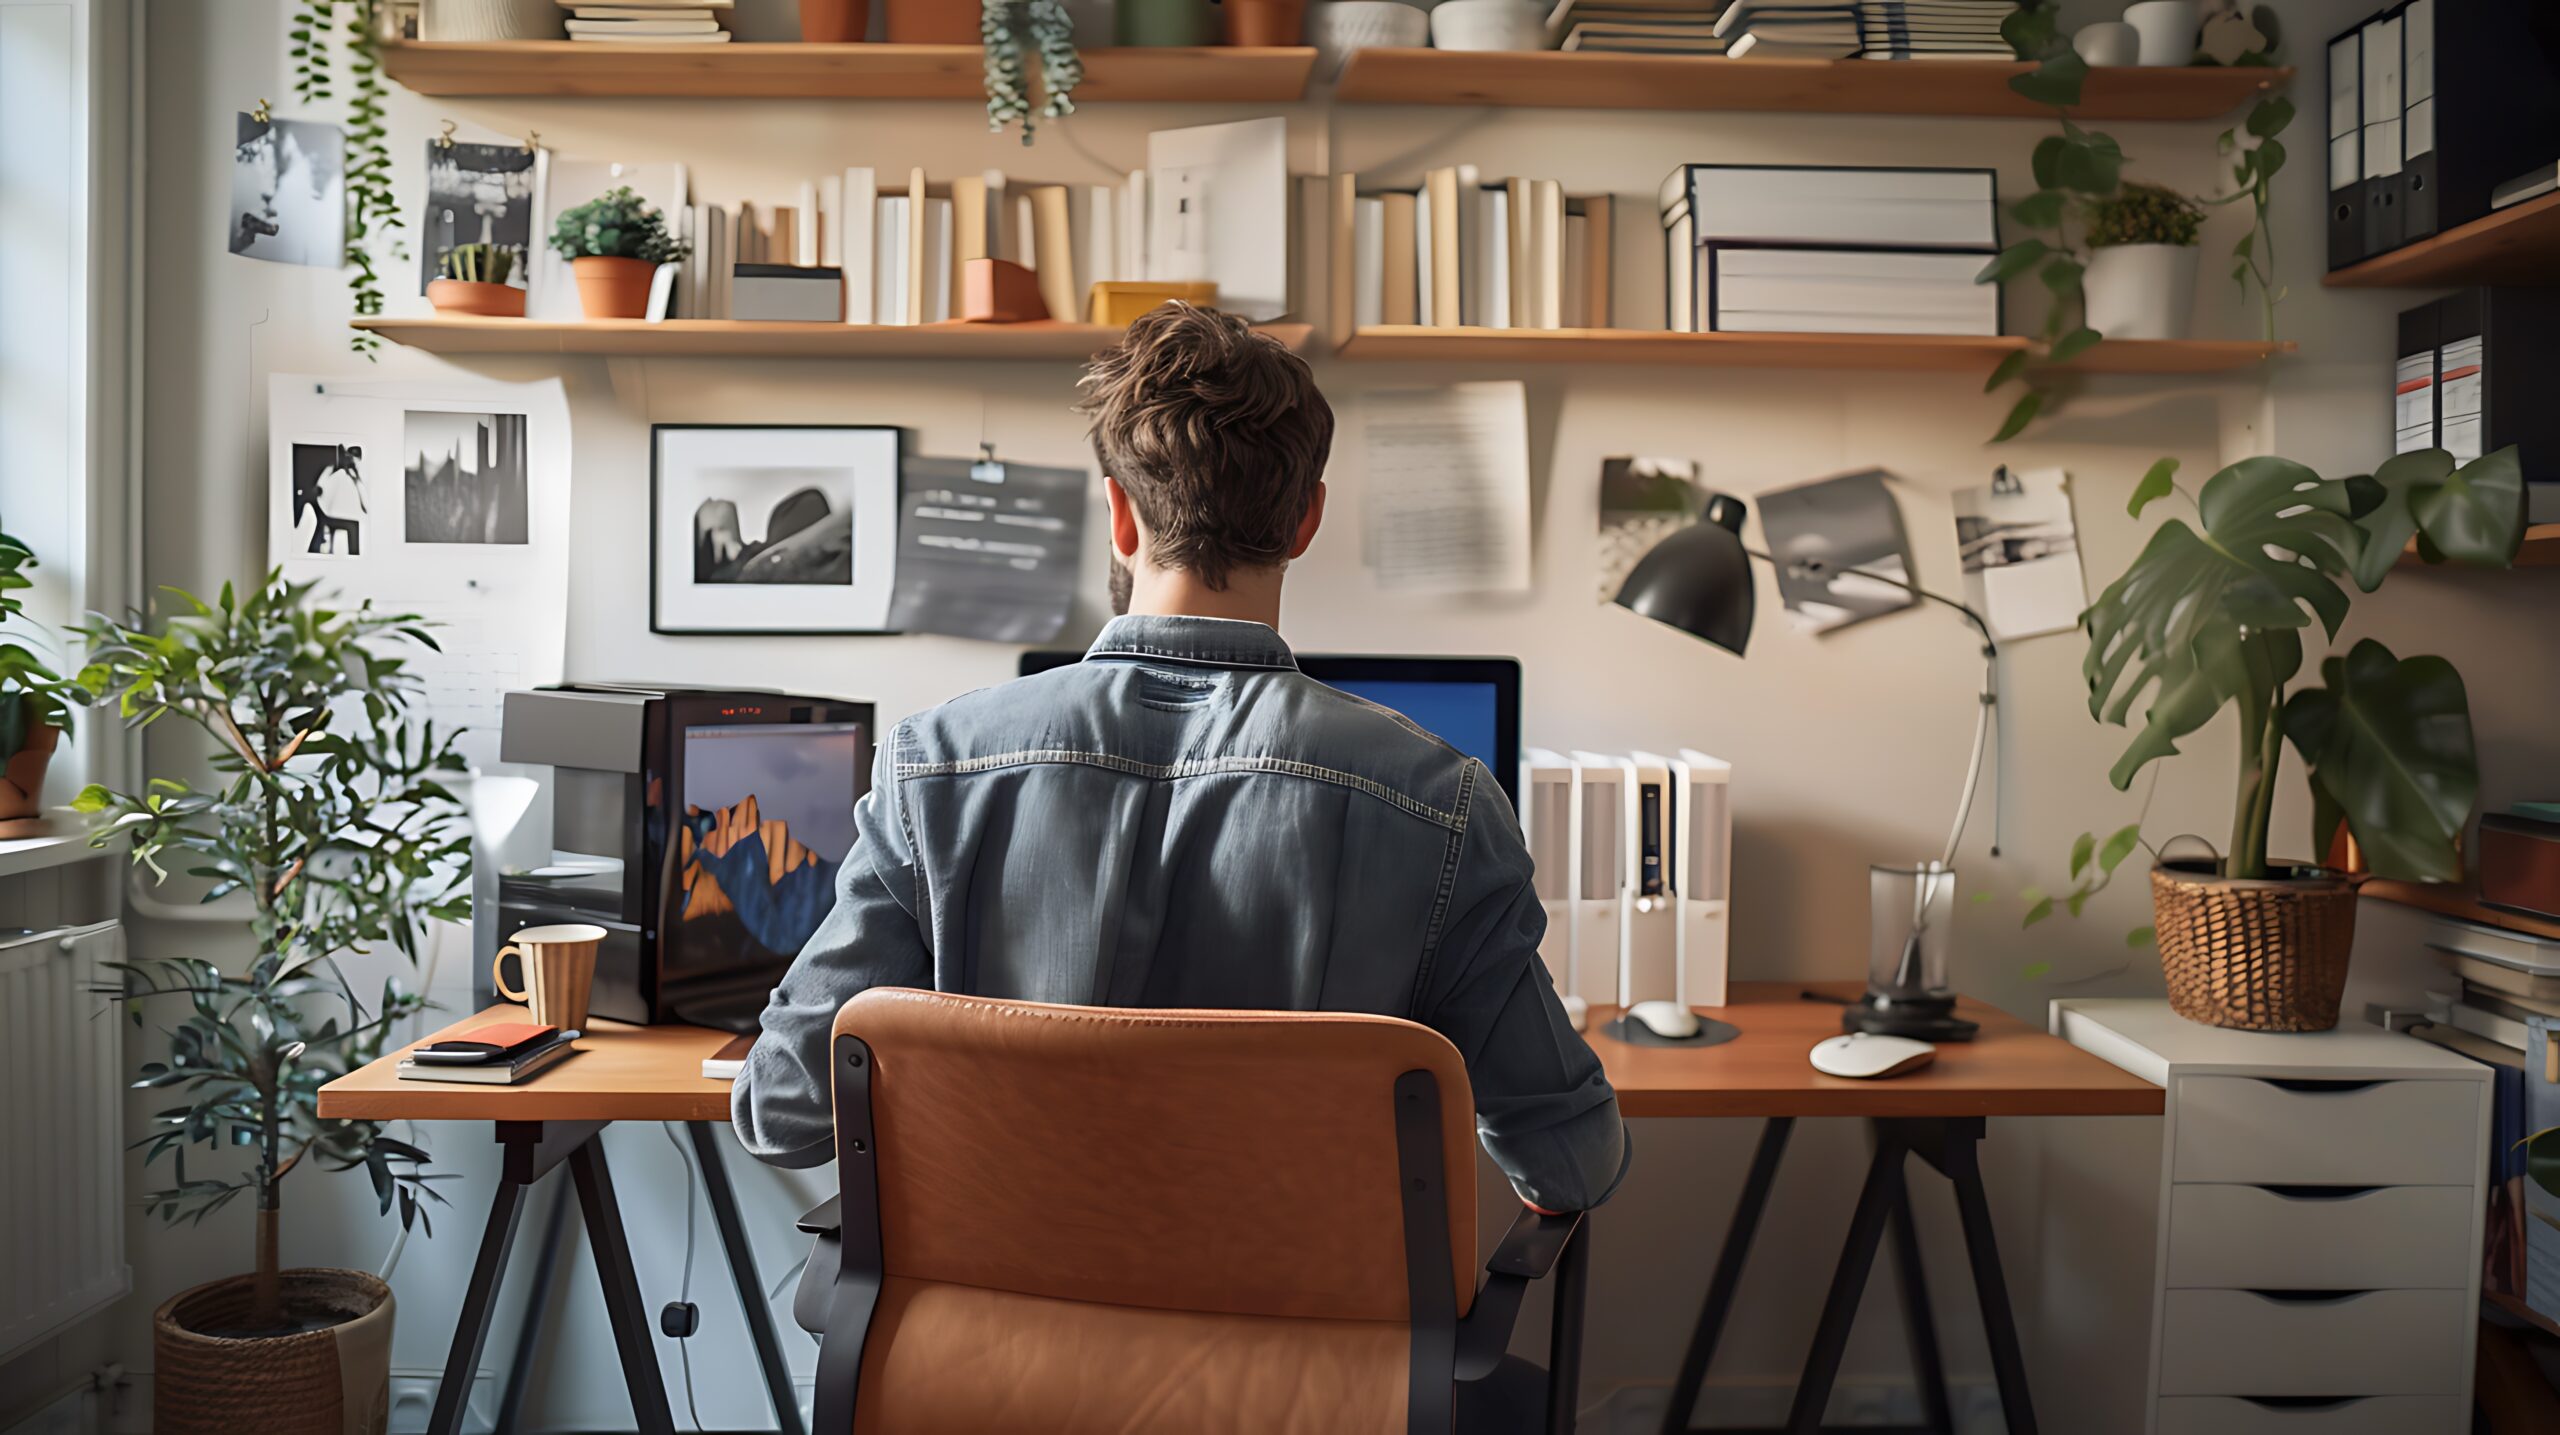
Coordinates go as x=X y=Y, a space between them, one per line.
x=742 y=870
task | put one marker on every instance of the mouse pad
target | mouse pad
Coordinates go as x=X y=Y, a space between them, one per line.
x=1635 y=1033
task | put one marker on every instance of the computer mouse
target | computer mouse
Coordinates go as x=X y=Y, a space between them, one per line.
x=1866 y=1054
x=1577 y=1011
x=1668 y=1020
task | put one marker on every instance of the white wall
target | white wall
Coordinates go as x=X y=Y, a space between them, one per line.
x=1847 y=749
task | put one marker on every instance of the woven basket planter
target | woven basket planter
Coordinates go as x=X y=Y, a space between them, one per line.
x=334 y=1380
x=2258 y=955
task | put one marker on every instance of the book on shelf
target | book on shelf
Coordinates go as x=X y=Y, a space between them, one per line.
x=624 y=37
x=1532 y=257
x=649 y=7
x=2478 y=1048
x=2506 y=1031
x=1950 y=212
x=2508 y=981
x=620 y=29
x=1844 y=291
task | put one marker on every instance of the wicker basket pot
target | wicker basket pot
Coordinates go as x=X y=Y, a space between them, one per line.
x=2256 y=954
x=333 y=1380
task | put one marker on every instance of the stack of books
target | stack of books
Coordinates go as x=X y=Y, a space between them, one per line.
x=1865 y=29
x=1636 y=27
x=1464 y=250
x=2508 y=979
x=648 y=22
x=1799 y=249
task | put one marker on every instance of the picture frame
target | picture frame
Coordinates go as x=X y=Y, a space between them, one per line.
x=773 y=530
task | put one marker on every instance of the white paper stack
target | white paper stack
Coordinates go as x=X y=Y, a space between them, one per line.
x=1866 y=29
x=1830 y=250
x=1636 y=27
x=649 y=22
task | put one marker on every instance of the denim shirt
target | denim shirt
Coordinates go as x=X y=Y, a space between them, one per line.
x=1184 y=819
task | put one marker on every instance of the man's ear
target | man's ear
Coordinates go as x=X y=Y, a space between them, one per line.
x=1308 y=525
x=1124 y=518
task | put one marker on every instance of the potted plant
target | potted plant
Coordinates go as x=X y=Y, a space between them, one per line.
x=1006 y=28
x=473 y=280
x=834 y=22
x=1263 y=22
x=35 y=705
x=2213 y=616
x=2141 y=279
x=616 y=242
x=331 y=815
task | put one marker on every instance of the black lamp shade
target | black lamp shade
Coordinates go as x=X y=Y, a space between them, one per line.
x=1698 y=580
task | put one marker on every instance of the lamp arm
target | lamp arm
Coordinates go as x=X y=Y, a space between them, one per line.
x=1985 y=719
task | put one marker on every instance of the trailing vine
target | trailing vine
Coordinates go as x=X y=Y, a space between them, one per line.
x=373 y=216
x=1049 y=29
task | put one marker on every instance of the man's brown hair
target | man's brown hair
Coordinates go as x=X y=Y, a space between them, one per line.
x=1217 y=433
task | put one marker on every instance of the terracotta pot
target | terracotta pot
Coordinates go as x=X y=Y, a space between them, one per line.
x=2257 y=954
x=470 y=296
x=835 y=22
x=22 y=783
x=327 y=1379
x=933 y=22
x=614 y=288
x=1150 y=23
x=1264 y=22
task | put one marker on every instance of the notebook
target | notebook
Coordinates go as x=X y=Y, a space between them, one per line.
x=522 y=1063
x=729 y=1060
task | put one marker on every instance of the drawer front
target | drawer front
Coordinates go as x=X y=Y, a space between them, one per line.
x=2369 y=1415
x=2384 y=1238
x=2223 y=1342
x=2386 y=1133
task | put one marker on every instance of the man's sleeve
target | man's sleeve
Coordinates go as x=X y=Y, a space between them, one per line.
x=1543 y=1109
x=874 y=937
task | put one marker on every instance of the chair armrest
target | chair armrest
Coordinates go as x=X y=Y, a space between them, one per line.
x=824 y=1219
x=1529 y=1251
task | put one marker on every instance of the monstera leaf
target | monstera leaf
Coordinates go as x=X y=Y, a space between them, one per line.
x=2389 y=745
x=2473 y=515
x=2542 y=1160
x=2205 y=616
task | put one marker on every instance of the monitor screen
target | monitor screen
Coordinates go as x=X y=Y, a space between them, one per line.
x=1472 y=704
x=768 y=818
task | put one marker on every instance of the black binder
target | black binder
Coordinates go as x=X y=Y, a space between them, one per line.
x=2383 y=102
x=2346 y=148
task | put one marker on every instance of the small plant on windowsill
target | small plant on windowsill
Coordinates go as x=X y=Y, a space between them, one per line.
x=2140 y=281
x=35 y=701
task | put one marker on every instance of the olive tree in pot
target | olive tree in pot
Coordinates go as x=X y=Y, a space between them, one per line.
x=35 y=703
x=2212 y=616
x=330 y=814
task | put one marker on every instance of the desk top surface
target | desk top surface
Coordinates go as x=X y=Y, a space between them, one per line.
x=654 y=1073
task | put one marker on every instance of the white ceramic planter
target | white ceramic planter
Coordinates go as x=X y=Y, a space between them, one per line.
x=1343 y=26
x=2109 y=42
x=2141 y=291
x=1488 y=25
x=2167 y=29
x=491 y=20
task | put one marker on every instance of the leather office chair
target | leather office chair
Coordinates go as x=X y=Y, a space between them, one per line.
x=1072 y=1219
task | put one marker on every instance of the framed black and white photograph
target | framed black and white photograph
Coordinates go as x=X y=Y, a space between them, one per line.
x=332 y=509
x=289 y=192
x=477 y=194
x=465 y=480
x=772 y=529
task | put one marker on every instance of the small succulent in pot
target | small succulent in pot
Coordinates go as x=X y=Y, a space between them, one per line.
x=35 y=701
x=478 y=264
x=2141 y=213
x=474 y=281
x=616 y=242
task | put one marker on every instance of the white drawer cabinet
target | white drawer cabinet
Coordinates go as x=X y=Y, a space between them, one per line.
x=2319 y=1221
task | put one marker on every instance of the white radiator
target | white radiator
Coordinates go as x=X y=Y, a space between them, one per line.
x=61 y=1132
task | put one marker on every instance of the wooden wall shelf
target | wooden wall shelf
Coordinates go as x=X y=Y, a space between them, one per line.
x=2517 y=245
x=1558 y=79
x=2449 y=901
x=1961 y=354
x=861 y=72
x=763 y=339
x=2541 y=550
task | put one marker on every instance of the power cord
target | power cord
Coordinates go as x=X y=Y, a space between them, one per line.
x=680 y=1318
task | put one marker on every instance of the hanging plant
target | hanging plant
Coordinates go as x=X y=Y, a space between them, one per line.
x=1005 y=28
x=373 y=217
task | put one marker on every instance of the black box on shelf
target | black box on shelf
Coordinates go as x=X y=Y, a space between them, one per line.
x=2475 y=374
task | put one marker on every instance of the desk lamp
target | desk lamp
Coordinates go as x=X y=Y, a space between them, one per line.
x=1698 y=580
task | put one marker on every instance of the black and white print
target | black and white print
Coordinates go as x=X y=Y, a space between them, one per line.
x=774 y=525
x=2021 y=553
x=477 y=194
x=774 y=529
x=332 y=510
x=1642 y=502
x=289 y=192
x=466 y=478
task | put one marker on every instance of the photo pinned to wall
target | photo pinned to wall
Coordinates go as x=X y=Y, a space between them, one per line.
x=2021 y=553
x=289 y=192
x=466 y=480
x=773 y=529
x=988 y=550
x=1642 y=502
x=479 y=194
x=331 y=506
x=1828 y=538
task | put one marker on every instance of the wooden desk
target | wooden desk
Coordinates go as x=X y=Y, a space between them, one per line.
x=2011 y=1069
x=621 y=1073
x=1937 y=1114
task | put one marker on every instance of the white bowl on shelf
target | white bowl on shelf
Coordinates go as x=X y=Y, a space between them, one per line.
x=1347 y=25
x=1488 y=25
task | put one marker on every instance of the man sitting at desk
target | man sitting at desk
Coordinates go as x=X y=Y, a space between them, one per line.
x=1185 y=820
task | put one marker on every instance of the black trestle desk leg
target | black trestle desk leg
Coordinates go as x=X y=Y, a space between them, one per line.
x=1738 y=1235
x=1564 y=1335
x=631 y=1324
x=1917 y=1319
x=479 y=1303
x=537 y=1306
x=1999 y=1322
x=742 y=1269
x=1848 y=1282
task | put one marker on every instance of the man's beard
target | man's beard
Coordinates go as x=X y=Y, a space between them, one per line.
x=1122 y=584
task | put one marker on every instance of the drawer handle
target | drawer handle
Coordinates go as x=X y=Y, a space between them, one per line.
x=2309 y=1297
x=2318 y=1193
x=2315 y=1086
x=2304 y=1402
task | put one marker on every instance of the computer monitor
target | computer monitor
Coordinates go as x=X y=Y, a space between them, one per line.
x=1472 y=704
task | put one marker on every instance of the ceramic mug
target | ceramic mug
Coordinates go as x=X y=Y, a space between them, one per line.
x=2109 y=42
x=2167 y=30
x=559 y=965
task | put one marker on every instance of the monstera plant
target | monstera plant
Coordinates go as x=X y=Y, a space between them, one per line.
x=2214 y=615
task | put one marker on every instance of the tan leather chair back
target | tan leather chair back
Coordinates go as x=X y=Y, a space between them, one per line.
x=1236 y=1163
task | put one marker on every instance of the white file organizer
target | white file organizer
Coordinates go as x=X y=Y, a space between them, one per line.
x=1702 y=875
x=1551 y=819
x=1603 y=893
